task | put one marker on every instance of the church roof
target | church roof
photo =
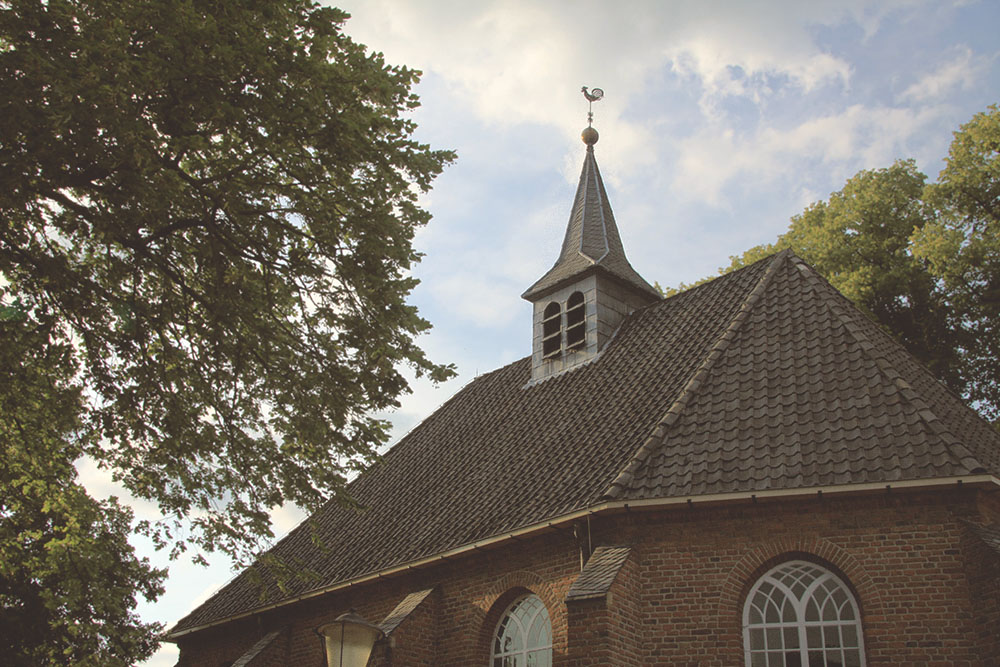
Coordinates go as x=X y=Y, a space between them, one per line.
x=592 y=241
x=764 y=379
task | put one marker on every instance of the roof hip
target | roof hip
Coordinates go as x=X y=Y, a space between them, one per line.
x=624 y=478
x=959 y=451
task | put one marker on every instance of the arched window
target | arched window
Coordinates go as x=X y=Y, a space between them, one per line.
x=801 y=614
x=551 y=330
x=524 y=636
x=575 y=315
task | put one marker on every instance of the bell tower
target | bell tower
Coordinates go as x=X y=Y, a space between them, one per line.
x=591 y=288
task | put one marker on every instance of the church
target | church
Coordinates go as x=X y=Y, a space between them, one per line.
x=751 y=472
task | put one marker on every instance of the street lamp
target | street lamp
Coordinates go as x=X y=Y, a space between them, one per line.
x=349 y=640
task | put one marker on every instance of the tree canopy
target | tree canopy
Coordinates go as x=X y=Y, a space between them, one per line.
x=961 y=247
x=207 y=215
x=68 y=575
x=923 y=259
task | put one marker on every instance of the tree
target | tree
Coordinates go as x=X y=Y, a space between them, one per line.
x=211 y=206
x=68 y=575
x=859 y=240
x=962 y=248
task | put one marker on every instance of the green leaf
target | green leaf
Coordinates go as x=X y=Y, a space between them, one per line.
x=209 y=209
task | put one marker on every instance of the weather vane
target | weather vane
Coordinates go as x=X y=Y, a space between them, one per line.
x=593 y=96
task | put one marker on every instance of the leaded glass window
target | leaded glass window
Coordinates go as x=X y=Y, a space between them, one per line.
x=800 y=614
x=524 y=636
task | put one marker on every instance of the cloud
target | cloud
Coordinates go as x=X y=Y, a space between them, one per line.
x=480 y=299
x=858 y=137
x=285 y=518
x=166 y=656
x=101 y=485
x=521 y=61
x=962 y=72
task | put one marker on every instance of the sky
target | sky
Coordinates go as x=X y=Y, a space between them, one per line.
x=720 y=121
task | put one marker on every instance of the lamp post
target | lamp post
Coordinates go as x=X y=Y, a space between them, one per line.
x=349 y=640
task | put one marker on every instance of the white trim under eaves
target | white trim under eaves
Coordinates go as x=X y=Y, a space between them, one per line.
x=608 y=507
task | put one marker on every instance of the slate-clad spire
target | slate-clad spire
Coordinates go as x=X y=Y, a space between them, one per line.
x=591 y=289
x=592 y=242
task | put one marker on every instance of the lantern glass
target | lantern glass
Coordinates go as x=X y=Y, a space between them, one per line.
x=349 y=641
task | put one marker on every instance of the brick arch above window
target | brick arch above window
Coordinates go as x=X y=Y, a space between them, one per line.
x=502 y=593
x=765 y=556
x=522 y=579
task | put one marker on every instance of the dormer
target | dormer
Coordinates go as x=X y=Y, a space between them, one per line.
x=591 y=289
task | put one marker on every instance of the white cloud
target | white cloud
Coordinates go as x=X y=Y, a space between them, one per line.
x=742 y=50
x=516 y=61
x=100 y=484
x=521 y=61
x=856 y=138
x=285 y=518
x=960 y=73
x=478 y=299
x=167 y=656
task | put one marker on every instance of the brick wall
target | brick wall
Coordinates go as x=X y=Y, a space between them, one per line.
x=626 y=613
x=607 y=630
x=900 y=552
x=983 y=573
x=588 y=623
x=928 y=592
x=414 y=641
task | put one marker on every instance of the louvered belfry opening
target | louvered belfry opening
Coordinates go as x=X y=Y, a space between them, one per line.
x=551 y=330
x=575 y=319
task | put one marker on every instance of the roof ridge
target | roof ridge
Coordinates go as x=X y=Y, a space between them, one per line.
x=592 y=162
x=962 y=454
x=626 y=475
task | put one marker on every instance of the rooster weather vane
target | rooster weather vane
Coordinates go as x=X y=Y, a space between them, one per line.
x=593 y=96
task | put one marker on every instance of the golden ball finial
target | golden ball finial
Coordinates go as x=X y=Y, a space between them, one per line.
x=590 y=136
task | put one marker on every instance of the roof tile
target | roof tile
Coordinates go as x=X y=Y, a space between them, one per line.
x=599 y=573
x=989 y=534
x=403 y=610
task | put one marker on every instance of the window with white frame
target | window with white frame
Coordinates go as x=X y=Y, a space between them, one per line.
x=800 y=614
x=523 y=637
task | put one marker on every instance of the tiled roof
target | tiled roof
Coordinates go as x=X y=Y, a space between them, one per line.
x=802 y=392
x=592 y=241
x=404 y=609
x=599 y=573
x=763 y=379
